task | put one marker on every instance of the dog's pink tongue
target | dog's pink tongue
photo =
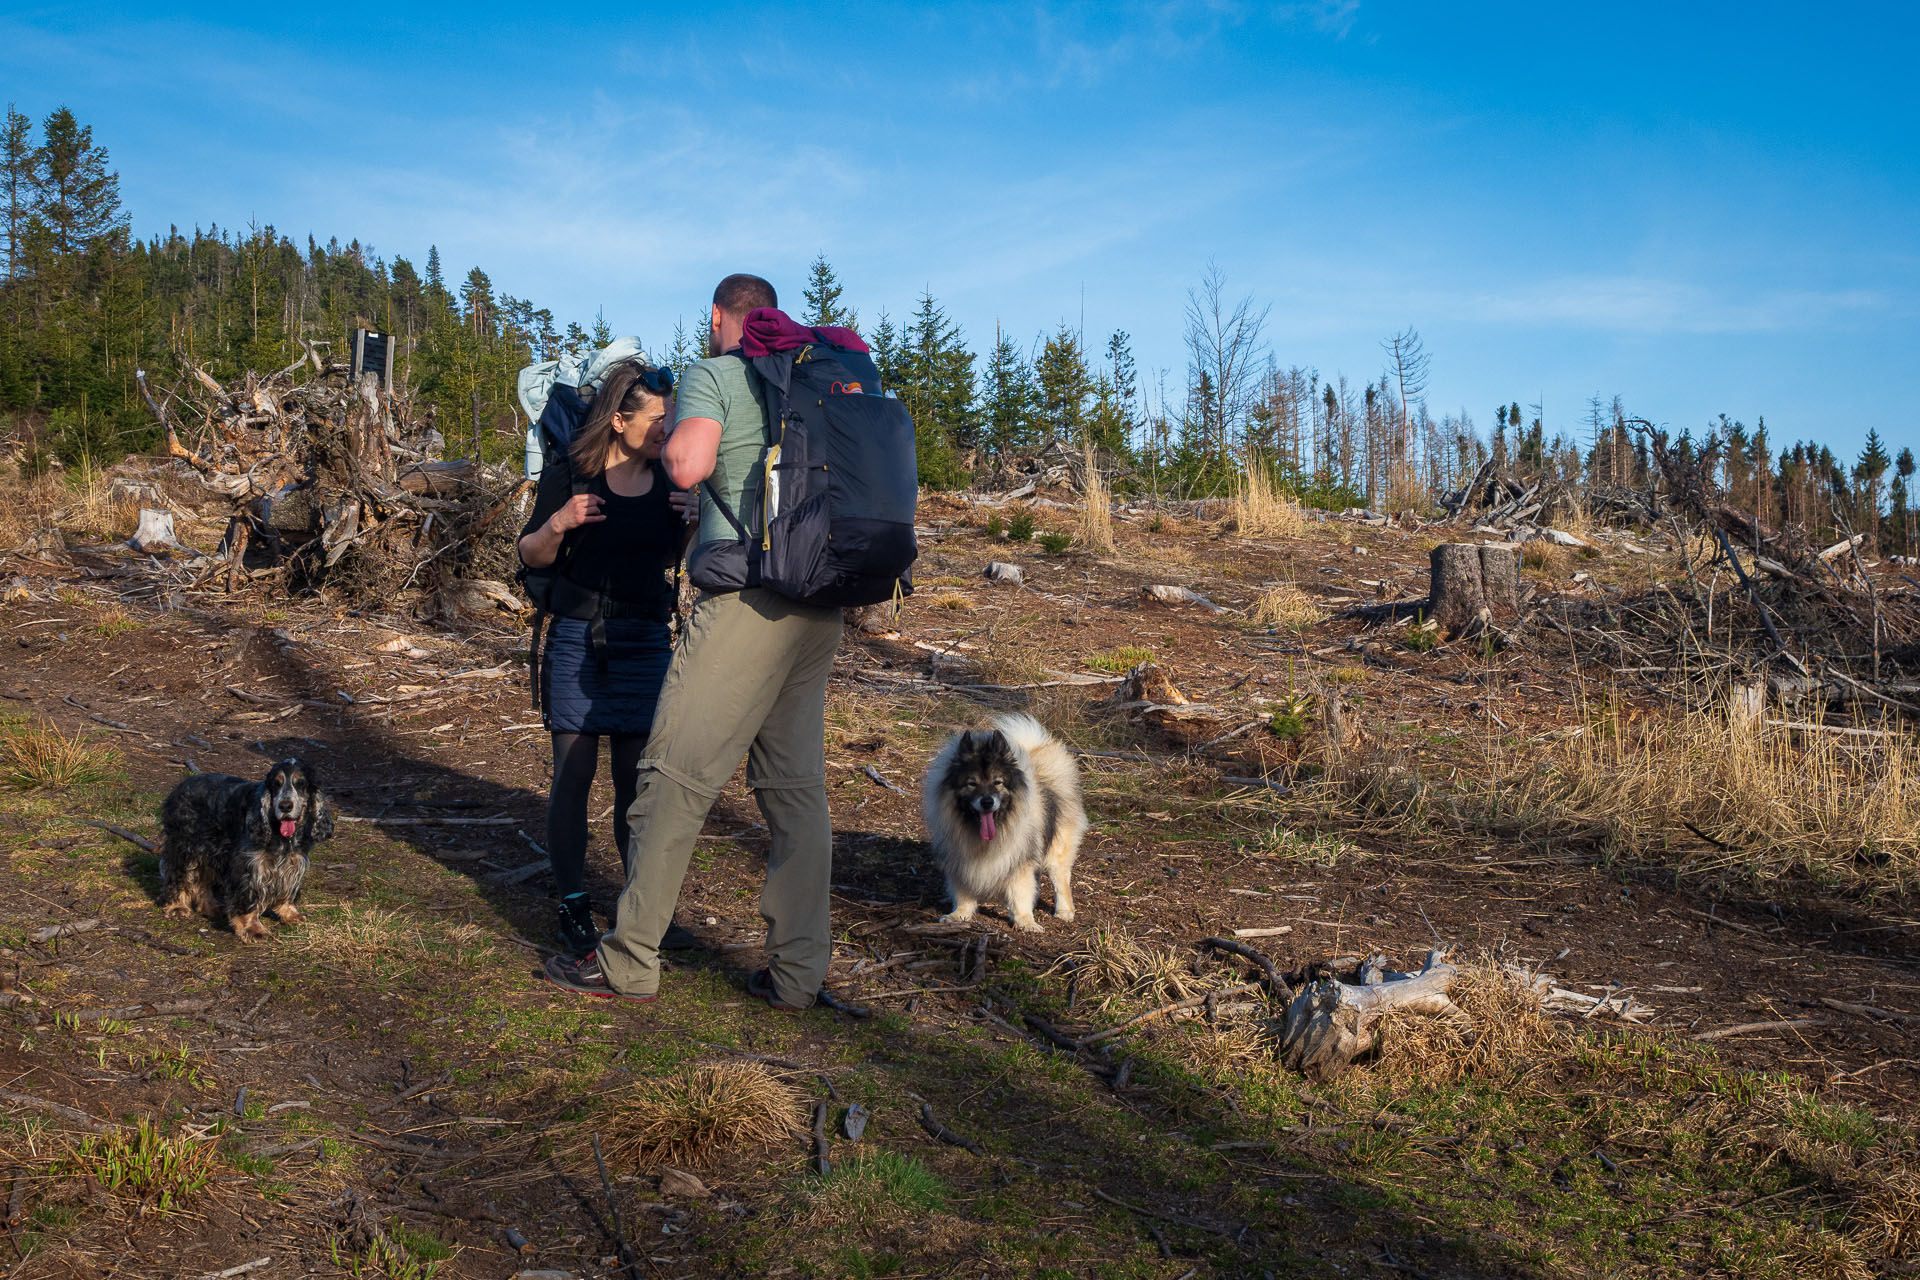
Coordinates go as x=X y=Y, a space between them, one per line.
x=986 y=826
x=287 y=827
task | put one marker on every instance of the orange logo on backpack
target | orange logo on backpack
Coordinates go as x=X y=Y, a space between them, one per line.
x=846 y=389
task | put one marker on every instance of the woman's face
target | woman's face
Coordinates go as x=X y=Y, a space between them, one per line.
x=645 y=429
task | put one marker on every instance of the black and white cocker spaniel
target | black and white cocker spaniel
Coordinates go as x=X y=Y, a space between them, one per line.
x=238 y=848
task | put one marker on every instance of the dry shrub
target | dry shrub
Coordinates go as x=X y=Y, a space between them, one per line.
x=1503 y=1031
x=35 y=756
x=954 y=600
x=1286 y=605
x=1114 y=961
x=1549 y=557
x=1261 y=509
x=696 y=1114
x=1096 y=513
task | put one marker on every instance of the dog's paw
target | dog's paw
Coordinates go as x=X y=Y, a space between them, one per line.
x=1028 y=925
x=956 y=917
x=177 y=911
x=288 y=913
x=1064 y=915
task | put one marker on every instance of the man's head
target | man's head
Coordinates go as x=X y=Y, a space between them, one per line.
x=733 y=298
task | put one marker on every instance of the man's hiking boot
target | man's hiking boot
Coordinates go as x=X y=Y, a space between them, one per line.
x=760 y=986
x=575 y=930
x=584 y=977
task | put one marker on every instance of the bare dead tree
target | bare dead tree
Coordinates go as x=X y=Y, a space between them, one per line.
x=1224 y=342
x=1408 y=363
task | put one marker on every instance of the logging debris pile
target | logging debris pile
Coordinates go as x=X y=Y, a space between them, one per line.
x=326 y=483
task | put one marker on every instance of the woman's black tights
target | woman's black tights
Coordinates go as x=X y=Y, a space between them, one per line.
x=575 y=757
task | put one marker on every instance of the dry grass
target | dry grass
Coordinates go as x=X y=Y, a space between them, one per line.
x=1286 y=605
x=1096 y=512
x=697 y=1114
x=38 y=756
x=1548 y=557
x=1114 y=961
x=1259 y=509
x=1844 y=810
x=1690 y=791
x=365 y=942
x=951 y=600
x=1503 y=1031
x=27 y=504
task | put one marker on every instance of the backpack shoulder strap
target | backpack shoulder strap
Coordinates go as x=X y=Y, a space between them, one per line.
x=773 y=403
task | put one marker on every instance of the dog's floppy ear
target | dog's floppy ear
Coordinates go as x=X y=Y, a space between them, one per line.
x=319 y=815
x=319 y=820
x=260 y=812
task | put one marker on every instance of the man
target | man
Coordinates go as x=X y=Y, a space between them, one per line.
x=749 y=679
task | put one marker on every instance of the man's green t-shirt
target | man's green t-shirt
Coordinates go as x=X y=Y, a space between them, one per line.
x=718 y=389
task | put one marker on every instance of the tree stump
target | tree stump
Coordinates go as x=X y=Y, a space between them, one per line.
x=1746 y=705
x=1331 y=1023
x=1472 y=586
x=155 y=532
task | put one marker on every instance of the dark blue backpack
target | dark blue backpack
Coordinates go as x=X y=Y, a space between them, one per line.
x=833 y=516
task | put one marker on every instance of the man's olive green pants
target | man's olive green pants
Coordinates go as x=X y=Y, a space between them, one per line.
x=749 y=679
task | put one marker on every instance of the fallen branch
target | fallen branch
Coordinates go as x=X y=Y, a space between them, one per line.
x=78 y=1117
x=131 y=837
x=1745 y=1028
x=1871 y=1011
x=820 y=1163
x=134 y=1011
x=1189 y=1223
x=1276 y=985
x=1191 y=1002
x=944 y=1134
x=619 y=1232
x=838 y=1005
x=53 y=931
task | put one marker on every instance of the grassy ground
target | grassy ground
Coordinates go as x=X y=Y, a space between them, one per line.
x=386 y=1089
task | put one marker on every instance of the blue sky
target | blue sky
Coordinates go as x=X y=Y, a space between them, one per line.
x=1704 y=208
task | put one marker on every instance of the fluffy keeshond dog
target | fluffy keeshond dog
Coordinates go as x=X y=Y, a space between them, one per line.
x=1001 y=803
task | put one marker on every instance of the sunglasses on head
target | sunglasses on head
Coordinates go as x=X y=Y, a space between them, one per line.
x=658 y=381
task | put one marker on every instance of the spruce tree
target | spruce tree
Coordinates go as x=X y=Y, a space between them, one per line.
x=1868 y=472
x=18 y=188
x=1061 y=374
x=1126 y=381
x=79 y=196
x=1904 y=465
x=822 y=296
x=936 y=385
x=886 y=352
x=1008 y=399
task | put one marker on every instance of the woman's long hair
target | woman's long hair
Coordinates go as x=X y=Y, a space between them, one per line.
x=621 y=392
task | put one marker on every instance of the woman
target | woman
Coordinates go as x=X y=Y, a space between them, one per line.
x=607 y=515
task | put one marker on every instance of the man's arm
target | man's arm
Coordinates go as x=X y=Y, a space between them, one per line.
x=692 y=450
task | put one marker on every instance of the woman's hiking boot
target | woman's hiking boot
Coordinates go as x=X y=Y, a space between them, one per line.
x=575 y=931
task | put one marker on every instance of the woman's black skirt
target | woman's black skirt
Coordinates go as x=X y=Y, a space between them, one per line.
x=579 y=699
